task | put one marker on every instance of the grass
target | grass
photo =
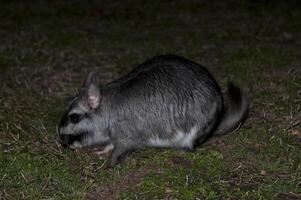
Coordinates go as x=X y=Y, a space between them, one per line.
x=47 y=47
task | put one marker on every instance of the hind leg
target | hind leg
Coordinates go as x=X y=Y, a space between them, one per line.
x=115 y=155
x=120 y=150
x=201 y=139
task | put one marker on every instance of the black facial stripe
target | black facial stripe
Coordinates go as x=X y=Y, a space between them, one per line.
x=67 y=140
x=72 y=104
x=77 y=138
x=70 y=139
x=75 y=118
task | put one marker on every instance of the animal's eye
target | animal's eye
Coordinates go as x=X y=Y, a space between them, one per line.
x=74 y=118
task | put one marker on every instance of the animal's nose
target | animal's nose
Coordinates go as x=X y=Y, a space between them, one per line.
x=64 y=140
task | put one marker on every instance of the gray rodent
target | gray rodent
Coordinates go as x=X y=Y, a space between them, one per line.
x=167 y=101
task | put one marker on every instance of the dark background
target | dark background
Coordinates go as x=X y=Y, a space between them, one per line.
x=48 y=47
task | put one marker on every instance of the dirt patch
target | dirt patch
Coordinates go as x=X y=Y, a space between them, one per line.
x=181 y=161
x=219 y=144
x=289 y=196
x=112 y=190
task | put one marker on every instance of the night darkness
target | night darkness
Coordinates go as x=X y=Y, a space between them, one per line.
x=47 y=49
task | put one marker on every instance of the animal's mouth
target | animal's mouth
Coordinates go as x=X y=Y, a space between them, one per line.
x=75 y=145
x=72 y=141
x=64 y=145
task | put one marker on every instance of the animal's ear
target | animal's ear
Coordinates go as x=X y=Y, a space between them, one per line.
x=92 y=90
x=91 y=79
x=93 y=96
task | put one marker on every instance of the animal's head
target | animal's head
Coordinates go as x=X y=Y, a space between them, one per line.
x=81 y=124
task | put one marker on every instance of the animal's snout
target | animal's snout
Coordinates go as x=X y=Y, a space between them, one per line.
x=65 y=140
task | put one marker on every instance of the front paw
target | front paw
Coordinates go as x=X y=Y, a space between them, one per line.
x=108 y=148
x=109 y=164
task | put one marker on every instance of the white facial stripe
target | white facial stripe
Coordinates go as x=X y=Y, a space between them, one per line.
x=78 y=111
x=76 y=145
x=72 y=129
x=181 y=139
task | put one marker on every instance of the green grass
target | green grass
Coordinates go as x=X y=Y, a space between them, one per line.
x=47 y=47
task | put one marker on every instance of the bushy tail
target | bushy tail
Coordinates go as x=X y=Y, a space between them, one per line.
x=236 y=109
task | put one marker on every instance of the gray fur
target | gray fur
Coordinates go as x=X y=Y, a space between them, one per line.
x=167 y=101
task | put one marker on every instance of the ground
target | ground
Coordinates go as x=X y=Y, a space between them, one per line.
x=47 y=48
